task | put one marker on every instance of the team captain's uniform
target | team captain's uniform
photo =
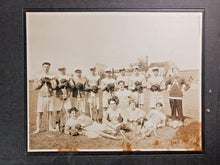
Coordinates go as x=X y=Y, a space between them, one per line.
x=176 y=85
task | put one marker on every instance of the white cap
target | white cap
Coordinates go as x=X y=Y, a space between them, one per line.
x=121 y=68
x=155 y=68
x=61 y=67
x=108 y=69
x=77 y=69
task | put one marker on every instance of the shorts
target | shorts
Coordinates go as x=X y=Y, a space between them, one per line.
x=59 y=104
x=94 y=99
x=106 y=96
x=45 y=104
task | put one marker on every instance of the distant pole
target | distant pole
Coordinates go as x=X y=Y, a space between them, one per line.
x=146 y=63
x=113 y=73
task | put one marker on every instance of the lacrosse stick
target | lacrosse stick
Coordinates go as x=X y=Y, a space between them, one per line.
x=78 y=101
x=124 y=137
x=103 y=134
x=108 y=136
x=95 y=106
x=63 y=114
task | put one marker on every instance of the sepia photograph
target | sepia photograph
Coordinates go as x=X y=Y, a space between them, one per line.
x=114 y=81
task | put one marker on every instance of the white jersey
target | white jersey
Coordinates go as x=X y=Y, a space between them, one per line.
x=124 y=97
x=134 y=78
x=134 y=115
x=107 y=81
x=44 y=89
x=156 y=80
x=106 y=95
x=93 y=80
x=123 y=78
x=111 y=116
x=123 y=94
x=156 y=117
x=66 y=76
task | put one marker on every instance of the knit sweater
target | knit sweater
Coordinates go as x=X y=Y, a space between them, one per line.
x=176 y=85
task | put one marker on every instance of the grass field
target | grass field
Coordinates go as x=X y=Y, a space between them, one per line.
x=170 y=139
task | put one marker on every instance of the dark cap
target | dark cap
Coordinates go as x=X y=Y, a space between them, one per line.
x=73 y=109
x=92 y=68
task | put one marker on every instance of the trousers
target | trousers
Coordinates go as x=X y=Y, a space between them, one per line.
x=176 y=106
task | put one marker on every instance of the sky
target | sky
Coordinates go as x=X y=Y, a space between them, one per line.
x=116 y=39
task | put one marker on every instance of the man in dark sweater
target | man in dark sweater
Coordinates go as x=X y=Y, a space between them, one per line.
x=176 y=86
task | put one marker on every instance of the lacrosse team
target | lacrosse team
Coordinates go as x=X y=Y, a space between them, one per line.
x=109 y=106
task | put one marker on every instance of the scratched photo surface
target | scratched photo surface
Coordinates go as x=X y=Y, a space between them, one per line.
x=114 y=81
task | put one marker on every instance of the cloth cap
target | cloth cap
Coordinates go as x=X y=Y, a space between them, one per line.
x=92 y=68
x=155 y=69
x=61 y=67
x=46 y=63
x=108 y=70
x=121 y=69
x=78 y=70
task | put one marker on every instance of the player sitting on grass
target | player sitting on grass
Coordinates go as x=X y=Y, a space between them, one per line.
x=124 y=96
x=155 y=119
x=80 y=124
x=135 y=116
x=112 y=116
x=76 y=121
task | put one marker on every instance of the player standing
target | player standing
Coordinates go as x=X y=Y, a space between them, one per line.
x=123 y=77
x=156 y=84
x=176 y=86
x=78 y=93
x=108 y=85
x=93 y=82
x=137 y=84
x=62 y=100
x=45 y=83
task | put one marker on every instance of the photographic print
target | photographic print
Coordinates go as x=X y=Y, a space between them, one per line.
x=114 y=81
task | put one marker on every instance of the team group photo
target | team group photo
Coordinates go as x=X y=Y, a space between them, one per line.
x=105 y=81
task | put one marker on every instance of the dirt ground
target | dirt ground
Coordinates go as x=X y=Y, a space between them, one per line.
x=184 y=138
